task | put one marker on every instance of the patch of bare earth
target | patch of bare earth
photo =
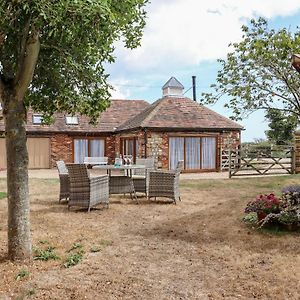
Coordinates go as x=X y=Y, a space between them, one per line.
x=198 y=249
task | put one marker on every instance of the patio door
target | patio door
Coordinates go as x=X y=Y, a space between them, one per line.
x=129 y=146
x=88 y=147
x=176 y=151
x=192 y=153
x=198 y=153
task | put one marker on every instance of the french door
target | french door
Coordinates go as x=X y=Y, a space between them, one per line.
x=198 y=153
x=129 y=146
x=88 y=147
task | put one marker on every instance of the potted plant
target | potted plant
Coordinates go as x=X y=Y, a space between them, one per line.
x=288 y=215
x=263 y=205
x=289 y=219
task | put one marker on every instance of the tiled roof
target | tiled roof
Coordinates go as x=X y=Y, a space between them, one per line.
x=118 y=112
x=178 y=113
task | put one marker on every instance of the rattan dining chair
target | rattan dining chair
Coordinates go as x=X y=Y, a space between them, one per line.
x=86 y=191
x=141 y=176
x=64 y=190
x=165 y=183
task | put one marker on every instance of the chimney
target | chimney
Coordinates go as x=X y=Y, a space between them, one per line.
x=194 y=88
x=173 y=88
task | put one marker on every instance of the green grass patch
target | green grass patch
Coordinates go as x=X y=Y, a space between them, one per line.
x=73 y=259
x=3 y=195
x=22 y=274
x=75 y=255
x=45 y=254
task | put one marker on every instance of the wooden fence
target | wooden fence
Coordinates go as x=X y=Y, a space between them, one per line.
x=274 y=161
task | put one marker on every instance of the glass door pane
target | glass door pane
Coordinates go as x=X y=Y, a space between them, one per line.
x=97 y=148
x=192 y=153
x=208 y=153
x=80 y=150
x=176 y=151
x=128 y=147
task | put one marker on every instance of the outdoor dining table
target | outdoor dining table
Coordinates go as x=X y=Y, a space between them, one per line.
x=121 y=184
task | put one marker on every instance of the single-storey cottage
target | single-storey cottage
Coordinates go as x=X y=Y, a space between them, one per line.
x=170 y=129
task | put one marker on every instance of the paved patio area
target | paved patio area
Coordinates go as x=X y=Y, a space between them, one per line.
x=52 y=173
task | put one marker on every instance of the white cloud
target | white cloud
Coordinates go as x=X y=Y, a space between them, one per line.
x=120 y=91
x=186 y=32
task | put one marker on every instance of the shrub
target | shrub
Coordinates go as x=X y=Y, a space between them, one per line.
x=45 y=254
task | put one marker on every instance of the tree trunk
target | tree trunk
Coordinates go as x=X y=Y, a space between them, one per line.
x=19 y=239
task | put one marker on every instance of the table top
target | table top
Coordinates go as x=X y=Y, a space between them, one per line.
x=123 y=167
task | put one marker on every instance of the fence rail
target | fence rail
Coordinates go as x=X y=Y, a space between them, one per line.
x=279 y=161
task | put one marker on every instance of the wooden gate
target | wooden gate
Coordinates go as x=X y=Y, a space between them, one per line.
x=279 y=160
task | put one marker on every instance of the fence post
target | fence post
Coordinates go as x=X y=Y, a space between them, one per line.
x=229 y=163
x=293 y=158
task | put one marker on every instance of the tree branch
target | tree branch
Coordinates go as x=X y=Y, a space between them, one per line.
x=55 y=47
x=31 y=54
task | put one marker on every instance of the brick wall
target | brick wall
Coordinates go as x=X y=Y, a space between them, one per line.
x=110 y=148
x=158 y=147
x=230 y=140
x=61 y=148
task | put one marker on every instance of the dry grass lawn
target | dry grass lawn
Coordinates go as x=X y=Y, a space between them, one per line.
x=198 y=249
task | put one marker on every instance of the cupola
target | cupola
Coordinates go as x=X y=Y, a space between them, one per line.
x=173 y=88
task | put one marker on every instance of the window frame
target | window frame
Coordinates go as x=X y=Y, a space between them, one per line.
x=71 y=123
x=201 y=149
x=89 y=144
x=37 y=116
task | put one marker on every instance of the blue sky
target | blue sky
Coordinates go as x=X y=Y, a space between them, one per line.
x=183 y=38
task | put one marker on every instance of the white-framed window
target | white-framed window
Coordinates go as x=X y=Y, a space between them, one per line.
x=71 y=120
x=37 y=119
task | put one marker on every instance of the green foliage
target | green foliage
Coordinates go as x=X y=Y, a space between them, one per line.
x=45 y=254
x=250 y=218
x=3 y=195
x=281 y=126
x=258 y=73
x=22 y=274
x=76 y=41
x=74 y=257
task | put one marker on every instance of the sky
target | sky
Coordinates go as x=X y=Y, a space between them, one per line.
x=183 y=38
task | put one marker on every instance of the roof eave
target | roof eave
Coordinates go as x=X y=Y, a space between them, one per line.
x=170 y=129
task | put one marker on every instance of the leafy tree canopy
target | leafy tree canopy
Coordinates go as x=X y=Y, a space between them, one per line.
x=281 y=126
x=258 y=73
x=73 y=40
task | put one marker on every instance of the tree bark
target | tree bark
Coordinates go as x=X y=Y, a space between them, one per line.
x=19 y=238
